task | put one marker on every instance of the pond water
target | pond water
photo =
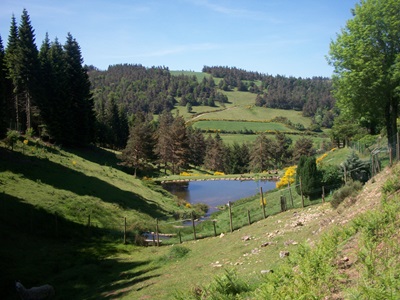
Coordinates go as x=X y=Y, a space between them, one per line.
x=217 y=192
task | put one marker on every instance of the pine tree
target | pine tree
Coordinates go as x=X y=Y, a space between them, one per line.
x=180 y=145
x=11 y=58
x=164 y=139
x=80 y=99
x=197 y=146
x=260 y=158
x=28 y=68
x=3 y=93
x=215 y=152
x=140 y=144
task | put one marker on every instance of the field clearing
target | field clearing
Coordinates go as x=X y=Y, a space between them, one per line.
x=254 y=113
x=230 y=126
x=250 y=138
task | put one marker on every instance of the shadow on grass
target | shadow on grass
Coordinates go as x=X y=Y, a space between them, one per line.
x=44 y=171
x=77 y=266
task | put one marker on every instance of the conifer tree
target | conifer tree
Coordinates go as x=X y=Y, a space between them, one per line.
x=3 y=93
x=197 y=146
x=11 y=59
x=260 y=158
x=180 y=145
x=164 y=139
x=310 y=177
x=80 y=100
x=28 y=68
x=140 y=144
x=215 y=151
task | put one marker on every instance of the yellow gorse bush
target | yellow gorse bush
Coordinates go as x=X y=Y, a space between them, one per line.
x=216 y=173
x=288 y=177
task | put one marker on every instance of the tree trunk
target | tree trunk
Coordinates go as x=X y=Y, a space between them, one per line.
x=391 y=123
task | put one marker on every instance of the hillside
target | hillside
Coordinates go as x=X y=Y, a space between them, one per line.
x=47 y=194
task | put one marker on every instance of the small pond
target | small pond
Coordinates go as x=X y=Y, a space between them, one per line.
x=215 y=193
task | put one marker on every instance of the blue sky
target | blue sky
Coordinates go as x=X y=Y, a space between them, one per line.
x=285 y=37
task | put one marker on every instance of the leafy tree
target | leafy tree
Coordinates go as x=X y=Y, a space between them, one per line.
x=343 y=130
x=366 y=58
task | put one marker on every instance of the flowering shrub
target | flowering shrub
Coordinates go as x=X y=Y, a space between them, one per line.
x=288 y=177
x=319 y=159
x=185 y=174
x=216 y=173
x=188 y=205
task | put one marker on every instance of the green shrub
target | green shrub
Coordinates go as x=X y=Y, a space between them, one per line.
x=349 y=190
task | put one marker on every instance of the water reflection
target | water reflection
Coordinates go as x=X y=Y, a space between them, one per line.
x=217 y=192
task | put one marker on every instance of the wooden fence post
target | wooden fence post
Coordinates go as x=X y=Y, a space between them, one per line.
x=283 y=203
x=262 y=202
x=215 y=229
x=398 y=147
x=194 y=227
x=290 y=193
x=248 y=216
x=124 y=230
x=157 y=234
x=323 y=194
x=230 y=215
x=301 y=192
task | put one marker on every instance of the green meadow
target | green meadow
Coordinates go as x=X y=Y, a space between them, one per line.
x=236 y=126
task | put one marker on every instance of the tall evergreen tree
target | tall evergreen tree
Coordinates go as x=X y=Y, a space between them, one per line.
x=3 y=92
x=310 y=177
x=180 y=145
x=197 y=146
x=164 y=139
x=80 y=99
x=260 y=158
x=140 y=144
x=28 y=68
x=11 y=58
x=215 y=153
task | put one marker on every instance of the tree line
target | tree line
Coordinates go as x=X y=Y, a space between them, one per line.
x=169 y=144
x=46 y=91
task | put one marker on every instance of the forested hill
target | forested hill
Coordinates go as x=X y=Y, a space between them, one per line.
x=124 y=90
x=309 y=95
x=136 y=88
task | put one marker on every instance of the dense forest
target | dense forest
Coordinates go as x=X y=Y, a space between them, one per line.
x=46 y=91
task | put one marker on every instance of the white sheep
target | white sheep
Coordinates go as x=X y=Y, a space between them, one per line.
x=36 y=293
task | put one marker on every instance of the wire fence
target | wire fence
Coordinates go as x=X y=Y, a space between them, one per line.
x=232 y=216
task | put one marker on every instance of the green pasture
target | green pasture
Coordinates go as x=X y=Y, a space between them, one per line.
x=254 y=113
x=250 y=138
x=232 y=126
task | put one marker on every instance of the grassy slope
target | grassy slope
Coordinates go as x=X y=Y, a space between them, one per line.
x=49 y=180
